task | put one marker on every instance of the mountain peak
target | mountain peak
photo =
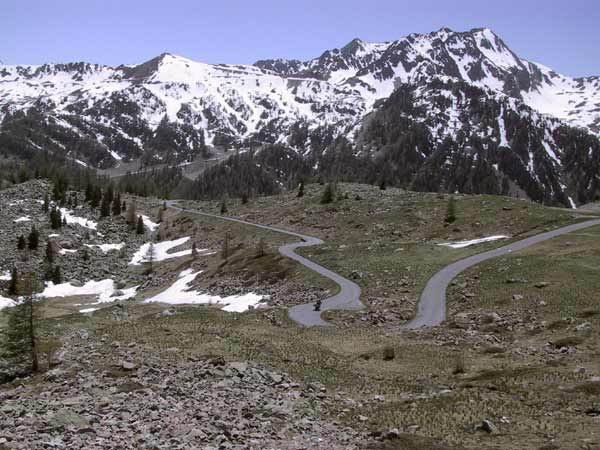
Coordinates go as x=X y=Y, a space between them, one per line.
x=352 y=47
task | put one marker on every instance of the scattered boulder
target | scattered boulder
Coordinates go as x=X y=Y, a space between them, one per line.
x=128 y=365
x=65 y=418
x=487 y=426
x=585 y=327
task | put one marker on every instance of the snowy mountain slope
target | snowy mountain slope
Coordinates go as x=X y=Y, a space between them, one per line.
x=468 y=87
x=123 y=107
x=478 y=57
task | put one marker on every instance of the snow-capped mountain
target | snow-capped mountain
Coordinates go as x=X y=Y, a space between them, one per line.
x=478 y=57
x=171 y=109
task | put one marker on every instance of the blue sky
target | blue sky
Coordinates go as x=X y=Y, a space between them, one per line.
x=564 y=35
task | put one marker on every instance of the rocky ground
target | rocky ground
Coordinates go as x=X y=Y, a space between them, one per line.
x=25 y=201
x=113 y=395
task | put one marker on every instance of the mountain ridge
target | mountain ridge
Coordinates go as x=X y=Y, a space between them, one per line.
x=171 y=109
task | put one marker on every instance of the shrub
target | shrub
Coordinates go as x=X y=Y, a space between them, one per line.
x=328 y=194
x=388 y=353
x=460 y=364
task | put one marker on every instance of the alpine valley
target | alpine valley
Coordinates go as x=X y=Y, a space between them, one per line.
x=446 y=111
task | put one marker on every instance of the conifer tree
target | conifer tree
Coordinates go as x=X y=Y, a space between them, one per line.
x=105 y=206
x=223 y=206
x=140 y=225
x=328 y=194
x=56 y=220
x=14 y=280
x=21 y=243
x=20 y=337
x=46 y=203
x=57 y=275
x=116 y=205
x=451 y=210
x=225 y=246
x=49 y=252
x=261 y=248
x=149 y=258
x=301 y=189
x=131 y=214
x=33 y=239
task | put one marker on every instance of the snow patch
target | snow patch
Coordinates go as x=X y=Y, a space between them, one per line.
x=107 y=247
x=149 y=223
x=5 y=275
x=462 y=244
x=23 y=219
x=103 y=290
x=161 y=251
x=72 y=219
x=6 y=302
x=178 y=294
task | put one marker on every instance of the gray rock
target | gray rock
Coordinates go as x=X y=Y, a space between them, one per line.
x=66 y=417
x=487 y=426
x=128 y=365
x=585 y=327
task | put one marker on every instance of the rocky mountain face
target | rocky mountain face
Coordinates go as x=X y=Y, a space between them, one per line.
x=533 y=130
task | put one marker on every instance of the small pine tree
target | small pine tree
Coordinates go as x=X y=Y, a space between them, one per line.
x=301 y=189
x=105 y=207
x=46 y=203
x=328 y=194
x=56 y=221
x=194 y=250
x=124 y=206
x=49 y=252
x=20 y=337
x=451 y=210
x=21 y=243
x=14 y=280
x=225 y=246
x=149 y=258
x=140 y=225
x=57 y=275
x=33 y=239
x=85 y=254
x=131 y=215
x=223 y=207
x=160 y=215
x=116 y=205
x=261 y=248
x=382 y=185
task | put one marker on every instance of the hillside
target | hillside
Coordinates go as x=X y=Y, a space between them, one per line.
x=197 y=347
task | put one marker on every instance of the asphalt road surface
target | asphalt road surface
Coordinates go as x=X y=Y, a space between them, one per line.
x=432 y=304
x=348 y=297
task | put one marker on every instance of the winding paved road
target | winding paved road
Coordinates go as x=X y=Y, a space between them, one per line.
x=348 y=297
x=431 y=309
x=432 y=304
